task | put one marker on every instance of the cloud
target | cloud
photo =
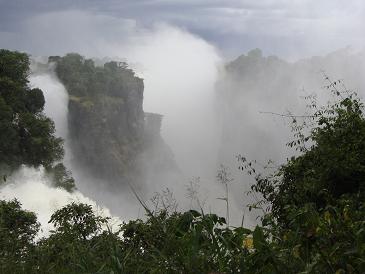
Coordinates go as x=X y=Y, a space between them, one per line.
x=283 y=27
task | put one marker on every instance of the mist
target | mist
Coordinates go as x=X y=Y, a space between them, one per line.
x=256 y=92
x=56 y=96
x=179 y=71
x=210 y=114
x=33 y=189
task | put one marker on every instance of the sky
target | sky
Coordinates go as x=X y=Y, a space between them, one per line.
x=291 y=29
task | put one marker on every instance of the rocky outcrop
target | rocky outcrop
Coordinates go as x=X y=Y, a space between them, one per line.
x=105 y=136
x=156 y=157
x=111 y=137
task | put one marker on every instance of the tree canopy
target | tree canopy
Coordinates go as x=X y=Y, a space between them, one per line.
x=27 y=135
x=83 y=78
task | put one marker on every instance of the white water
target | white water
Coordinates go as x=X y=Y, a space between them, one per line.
x=56 y=106
x=30 y=186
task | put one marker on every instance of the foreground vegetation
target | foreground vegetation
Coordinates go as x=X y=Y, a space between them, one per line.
x=314 y=219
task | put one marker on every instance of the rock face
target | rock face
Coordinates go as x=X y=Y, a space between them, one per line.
x=105 y=136
x=111 y=137
x=156 y=158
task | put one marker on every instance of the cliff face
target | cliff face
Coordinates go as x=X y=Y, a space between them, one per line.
x=110 y=137
x=156 y=158
x=105 y=135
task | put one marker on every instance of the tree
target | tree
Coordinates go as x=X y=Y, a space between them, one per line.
x=332 y=164
x=18 y=229
x=78 y=220
x=316 y=199
x=77 y=244
x=62 y=177
x=27 y=136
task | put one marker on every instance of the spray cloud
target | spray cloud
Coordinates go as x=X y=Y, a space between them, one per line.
x=180 y=70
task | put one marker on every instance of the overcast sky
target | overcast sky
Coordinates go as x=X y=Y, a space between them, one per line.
x=288 y=28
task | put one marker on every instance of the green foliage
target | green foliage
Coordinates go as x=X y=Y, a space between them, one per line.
x=178 y=243
x=77 y=244
x=18 y=229
x=332 y=164
x=82 y=78
x=62 y=177
x=186 y=242
x=77 y=220
x=316 y=200
x=27 y=136
x=14 y=66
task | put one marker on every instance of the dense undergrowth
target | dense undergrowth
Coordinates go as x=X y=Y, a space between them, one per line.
x=314 y=219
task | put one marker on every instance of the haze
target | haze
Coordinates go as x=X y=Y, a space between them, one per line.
x=180 y=48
